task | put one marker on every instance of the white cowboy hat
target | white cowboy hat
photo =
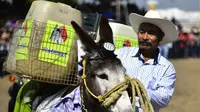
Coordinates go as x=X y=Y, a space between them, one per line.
x=154 y=17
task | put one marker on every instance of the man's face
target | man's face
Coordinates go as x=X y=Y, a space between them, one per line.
x=148 y=36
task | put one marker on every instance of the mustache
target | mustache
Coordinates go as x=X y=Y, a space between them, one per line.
x=146 y=43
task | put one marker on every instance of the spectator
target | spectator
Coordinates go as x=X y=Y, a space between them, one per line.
x=4 y=46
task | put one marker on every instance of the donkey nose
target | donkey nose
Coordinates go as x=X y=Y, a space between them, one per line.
x=123 y=104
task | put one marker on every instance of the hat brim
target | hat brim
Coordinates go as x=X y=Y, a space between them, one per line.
x=166 y=26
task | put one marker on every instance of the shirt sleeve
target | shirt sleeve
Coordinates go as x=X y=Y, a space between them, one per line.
x=161 y=95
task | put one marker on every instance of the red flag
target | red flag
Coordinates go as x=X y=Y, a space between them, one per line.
x=25 y=28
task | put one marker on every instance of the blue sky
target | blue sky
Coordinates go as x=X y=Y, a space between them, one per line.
x=188 y=5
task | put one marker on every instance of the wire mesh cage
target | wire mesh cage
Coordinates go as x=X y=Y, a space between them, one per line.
x=121 y=41
x=44 y=52
x=123 y=35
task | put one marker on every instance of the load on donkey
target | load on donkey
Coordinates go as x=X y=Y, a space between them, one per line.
x=44 y=50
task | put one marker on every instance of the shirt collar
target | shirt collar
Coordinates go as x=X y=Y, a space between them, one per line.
x=151 y=61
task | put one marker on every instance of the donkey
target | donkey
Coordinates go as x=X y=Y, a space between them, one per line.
x=102 y=71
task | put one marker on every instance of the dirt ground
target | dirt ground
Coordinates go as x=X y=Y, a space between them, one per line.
x=186 y=97
x=4 y=96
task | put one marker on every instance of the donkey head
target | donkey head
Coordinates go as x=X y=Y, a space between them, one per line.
x=103 y=69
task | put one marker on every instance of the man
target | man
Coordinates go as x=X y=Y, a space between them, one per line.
x=145 y=63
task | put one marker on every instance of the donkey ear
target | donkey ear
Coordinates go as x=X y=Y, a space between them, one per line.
x=88 y=43
x=106 y=33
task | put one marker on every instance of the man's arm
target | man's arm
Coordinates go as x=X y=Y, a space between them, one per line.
x=161 y=95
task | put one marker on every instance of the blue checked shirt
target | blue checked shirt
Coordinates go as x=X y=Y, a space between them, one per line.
x=157 y=75
x=56 y=103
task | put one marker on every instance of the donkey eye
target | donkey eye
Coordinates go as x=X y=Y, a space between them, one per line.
x=103 y=76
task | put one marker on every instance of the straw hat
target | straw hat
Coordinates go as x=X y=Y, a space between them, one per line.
x=154 y=17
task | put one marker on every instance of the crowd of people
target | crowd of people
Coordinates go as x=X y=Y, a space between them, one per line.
x=6 y=32
x=187 y=45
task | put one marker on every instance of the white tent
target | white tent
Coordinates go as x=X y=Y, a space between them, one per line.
x=187 y=18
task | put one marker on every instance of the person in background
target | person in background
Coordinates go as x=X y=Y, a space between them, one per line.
x=165 y=49
x=196 y=32
x=145 y=62
x=5 y=36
